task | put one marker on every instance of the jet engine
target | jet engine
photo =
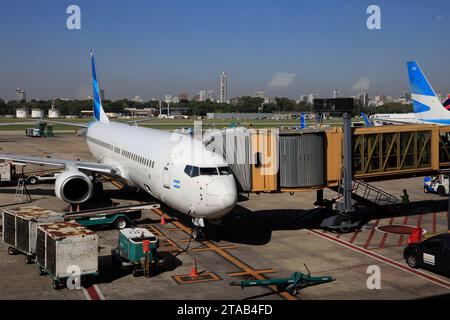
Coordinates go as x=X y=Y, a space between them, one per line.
x=73 y=186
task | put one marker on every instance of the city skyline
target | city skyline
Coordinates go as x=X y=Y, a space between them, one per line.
x=282 y=48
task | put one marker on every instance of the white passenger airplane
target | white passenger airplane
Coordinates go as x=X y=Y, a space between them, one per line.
x=174 y=168
x=427 y=106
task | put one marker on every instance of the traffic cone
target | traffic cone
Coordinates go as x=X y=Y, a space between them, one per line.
x=163 y=219
x=415 y=236
x=70 y=208
x=194 y=273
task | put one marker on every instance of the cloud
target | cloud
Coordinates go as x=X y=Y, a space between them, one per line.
x=281 y=80
x=362 y=84
x=438 y=18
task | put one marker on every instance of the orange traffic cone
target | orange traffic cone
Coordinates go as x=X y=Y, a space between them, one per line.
x=194 y=273
x=163 y=219
x=416 y=236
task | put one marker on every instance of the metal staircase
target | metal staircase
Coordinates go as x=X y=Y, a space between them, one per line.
x=21 y=192
x=373 y=194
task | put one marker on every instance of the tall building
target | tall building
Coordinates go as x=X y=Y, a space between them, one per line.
x=102 y=94
x=407 y=96
x=304 y=98
x=167 y=98
x=223 y=90
x=137 y=99
x=364 y=99
x=210 y=95
x=311 y=98
x=20 y=95
x=202 y=95
x=183 y=96
x=336 y=94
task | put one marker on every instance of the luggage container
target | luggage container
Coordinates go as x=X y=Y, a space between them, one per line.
x=20 y=229
x=65 y=248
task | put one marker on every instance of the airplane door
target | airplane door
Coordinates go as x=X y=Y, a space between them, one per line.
x=166 y=174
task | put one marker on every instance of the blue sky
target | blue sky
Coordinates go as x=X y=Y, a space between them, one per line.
x=150 y=48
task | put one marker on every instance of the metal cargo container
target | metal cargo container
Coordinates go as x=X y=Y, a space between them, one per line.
x=20 y=228
x=302 y=160
x=63 y=246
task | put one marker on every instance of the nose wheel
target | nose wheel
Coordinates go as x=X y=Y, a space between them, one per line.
x=199 y=233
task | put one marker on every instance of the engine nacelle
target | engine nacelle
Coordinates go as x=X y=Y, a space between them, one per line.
x=73 y=186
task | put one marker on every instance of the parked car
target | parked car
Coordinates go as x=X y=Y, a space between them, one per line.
x=433 y=253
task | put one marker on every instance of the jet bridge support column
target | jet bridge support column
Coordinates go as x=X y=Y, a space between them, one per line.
x=348 y=174
x=343 y=218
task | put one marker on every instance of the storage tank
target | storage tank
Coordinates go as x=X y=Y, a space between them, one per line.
x=37 y=113
x=21 y=113
x=302 y=160
x=53 y=113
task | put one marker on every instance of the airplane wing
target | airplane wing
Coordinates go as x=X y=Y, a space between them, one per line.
x=16 y=123
x=139 y=120
x=106 y=169
x=74 y=124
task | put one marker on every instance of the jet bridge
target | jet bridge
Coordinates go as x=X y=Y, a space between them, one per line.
x=273 y=160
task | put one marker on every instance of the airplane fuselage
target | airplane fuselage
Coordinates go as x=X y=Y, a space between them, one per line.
x=174 y=168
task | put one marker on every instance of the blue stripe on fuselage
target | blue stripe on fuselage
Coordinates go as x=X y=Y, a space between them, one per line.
x=437 y=121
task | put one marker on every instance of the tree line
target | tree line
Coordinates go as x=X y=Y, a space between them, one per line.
x=244 y=104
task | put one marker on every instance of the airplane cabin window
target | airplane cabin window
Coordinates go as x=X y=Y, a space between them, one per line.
x=188 y=170
x=224 y=171
x=209 y=171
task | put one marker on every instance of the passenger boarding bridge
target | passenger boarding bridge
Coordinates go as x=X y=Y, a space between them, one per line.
x=312 y=159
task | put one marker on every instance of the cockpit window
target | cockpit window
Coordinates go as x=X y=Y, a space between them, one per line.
x=191 y=171
x=224 y=171
x=208 y=171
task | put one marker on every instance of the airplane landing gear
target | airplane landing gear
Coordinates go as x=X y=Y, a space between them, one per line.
x=199 y=233
x=199 y=229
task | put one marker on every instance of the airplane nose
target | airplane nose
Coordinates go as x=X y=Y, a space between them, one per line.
x=229 y=200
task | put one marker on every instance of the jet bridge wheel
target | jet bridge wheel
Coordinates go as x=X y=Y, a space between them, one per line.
x=441 y=191
x=344 y=223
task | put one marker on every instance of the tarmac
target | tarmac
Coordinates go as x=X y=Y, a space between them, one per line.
x=264 y=237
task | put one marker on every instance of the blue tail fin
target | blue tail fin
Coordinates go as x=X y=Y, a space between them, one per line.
x=302 y=121
x=99 y=113
x=426 y=104
x=366 y=120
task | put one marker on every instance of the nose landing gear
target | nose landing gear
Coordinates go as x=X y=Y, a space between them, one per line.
x=199 y=229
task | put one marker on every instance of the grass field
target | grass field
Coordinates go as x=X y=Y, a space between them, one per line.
x=12 y=124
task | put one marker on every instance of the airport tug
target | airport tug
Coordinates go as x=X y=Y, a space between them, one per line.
x=138 y=250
